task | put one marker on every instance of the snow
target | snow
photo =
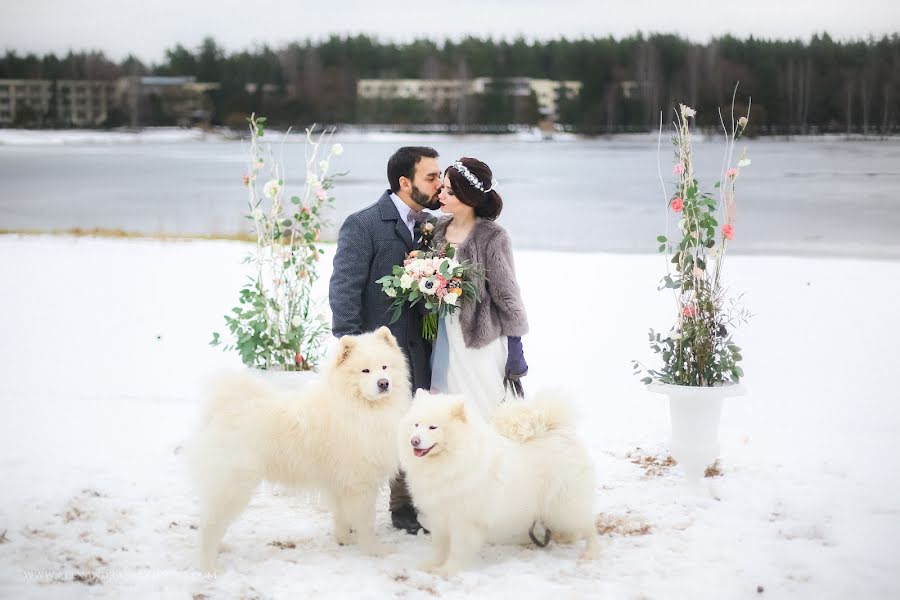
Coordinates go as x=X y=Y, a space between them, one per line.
x=63 y=137
x=105 y=359
x=171 y=135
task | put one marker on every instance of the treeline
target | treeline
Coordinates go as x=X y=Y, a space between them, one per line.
x=820 y=85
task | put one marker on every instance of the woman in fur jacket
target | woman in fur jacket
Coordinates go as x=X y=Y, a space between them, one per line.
x=478 y=350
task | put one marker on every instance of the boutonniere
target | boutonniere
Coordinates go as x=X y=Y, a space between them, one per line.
x=428 y=233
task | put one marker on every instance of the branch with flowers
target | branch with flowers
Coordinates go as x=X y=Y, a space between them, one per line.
x=433 y=277
x=699 y=350
x=277 y=324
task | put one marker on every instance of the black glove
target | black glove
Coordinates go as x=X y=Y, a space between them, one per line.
x=516 y=367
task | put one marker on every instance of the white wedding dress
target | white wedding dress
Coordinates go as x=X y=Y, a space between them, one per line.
x=475 y=373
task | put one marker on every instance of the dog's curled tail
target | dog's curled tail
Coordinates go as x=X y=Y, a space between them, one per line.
x=526 y=420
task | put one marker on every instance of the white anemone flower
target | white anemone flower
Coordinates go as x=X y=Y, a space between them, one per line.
x=272 y=188
x=428 y=286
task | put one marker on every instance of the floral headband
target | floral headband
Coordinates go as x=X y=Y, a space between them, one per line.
x=471 y=178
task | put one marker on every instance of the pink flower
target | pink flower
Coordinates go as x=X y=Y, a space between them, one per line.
x=689 y=311
x=728 y=231
x=732 y=172
x=321 y=194
x=677 y=204
x=679 y=169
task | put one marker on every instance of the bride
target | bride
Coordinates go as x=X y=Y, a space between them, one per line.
x=479 y=349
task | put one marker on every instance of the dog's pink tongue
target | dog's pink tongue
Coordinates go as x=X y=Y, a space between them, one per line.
x=421 y=451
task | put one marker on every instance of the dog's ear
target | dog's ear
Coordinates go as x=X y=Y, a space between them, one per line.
x=347 y=343
x=458 y=411
x=385 y=334
x=421 y=393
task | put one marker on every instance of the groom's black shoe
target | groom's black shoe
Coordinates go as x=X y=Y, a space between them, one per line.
x=406 y=518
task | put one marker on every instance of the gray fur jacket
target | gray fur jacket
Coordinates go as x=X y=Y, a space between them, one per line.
x=500 y=311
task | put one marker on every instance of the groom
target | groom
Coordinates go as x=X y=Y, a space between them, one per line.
x=370 y=243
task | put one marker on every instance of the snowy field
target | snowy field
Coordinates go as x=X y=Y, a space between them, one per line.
x=105 y=358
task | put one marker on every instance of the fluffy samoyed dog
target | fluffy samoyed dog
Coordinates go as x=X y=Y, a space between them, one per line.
x=477 y=482
x=337 y=435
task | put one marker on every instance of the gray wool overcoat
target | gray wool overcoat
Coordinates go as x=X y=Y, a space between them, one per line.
x=370 y=243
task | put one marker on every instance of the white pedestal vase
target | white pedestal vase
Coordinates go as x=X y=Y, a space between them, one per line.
x=286 y=380
x=694 y=414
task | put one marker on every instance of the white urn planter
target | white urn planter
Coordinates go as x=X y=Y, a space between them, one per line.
x=286 y=380
x=694 y=413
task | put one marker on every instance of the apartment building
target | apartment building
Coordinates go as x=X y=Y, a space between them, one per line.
x=87 y=103
x=84 y=103
x=24 y=99
x=449 y=92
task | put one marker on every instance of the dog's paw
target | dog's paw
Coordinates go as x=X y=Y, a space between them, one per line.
x=566 y=537
x=590 y=553
x=208 y=568
x=446 y=570
x=429 y=566
x=343 y=538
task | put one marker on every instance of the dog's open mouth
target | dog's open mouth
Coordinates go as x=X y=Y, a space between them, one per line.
x=420 y=452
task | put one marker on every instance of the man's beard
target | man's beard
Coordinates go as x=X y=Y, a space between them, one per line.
x=424 y=200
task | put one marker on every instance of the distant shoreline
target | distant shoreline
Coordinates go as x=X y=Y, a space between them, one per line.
x=174 y=135
x=834 y=252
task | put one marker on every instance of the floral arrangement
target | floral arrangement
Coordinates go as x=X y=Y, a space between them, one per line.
x=698 y=350
x=434 y=277
x=277 y=324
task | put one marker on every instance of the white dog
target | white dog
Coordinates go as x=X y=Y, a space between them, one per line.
x=474 y=485
x=337 y=435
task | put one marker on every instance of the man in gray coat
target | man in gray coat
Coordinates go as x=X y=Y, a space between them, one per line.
x=370 y=243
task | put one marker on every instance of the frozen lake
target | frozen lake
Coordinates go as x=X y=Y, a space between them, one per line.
x=808 y=196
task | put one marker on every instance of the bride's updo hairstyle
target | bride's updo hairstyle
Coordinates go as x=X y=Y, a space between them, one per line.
x=473 y=183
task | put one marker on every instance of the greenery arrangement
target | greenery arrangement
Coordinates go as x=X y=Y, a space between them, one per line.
x=698 y=350
x=277 y=324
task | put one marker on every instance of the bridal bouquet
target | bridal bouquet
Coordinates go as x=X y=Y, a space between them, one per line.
x=434 y=277
x=699 y=350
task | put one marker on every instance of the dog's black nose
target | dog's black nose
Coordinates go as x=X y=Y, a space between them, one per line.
x=415 y=441
x=383 y=384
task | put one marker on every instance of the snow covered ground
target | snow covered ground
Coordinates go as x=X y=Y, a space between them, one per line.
x=104 y=359
x=63 y=137
x=169 y=135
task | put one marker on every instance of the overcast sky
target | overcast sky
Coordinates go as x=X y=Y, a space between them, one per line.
x=147 y=27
